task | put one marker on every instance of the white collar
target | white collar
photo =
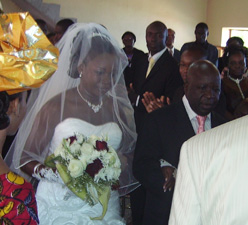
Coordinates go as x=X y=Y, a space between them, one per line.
x=157 y=55
x=189 y=110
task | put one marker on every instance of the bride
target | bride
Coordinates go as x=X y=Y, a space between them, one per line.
x=86 y=95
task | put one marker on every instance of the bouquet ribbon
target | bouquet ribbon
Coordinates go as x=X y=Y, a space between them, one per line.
x=27 y=58
x=103 y=193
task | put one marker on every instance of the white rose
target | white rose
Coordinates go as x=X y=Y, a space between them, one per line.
x=80 y=138
x=95 y=154
x=75 y=147
x=87 y=149
x=76 y=168
x=83 y=160
x=92 y=140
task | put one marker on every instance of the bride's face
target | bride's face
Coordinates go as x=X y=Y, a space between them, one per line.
x=97 y=74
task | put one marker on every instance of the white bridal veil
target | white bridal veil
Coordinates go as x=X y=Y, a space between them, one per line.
x=59 y=99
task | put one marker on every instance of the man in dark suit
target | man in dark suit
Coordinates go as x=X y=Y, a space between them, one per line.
x=164 y=132
x=170 y=45
x=157 y=73
x=201 y=35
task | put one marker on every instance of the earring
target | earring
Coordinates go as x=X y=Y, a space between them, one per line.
x=80 y=74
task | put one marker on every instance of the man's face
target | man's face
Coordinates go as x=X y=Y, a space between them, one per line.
x=59 y=32
x=155 y=38
x=201 y=35
x=202 y=91
x=186 y=60
x=171 y=37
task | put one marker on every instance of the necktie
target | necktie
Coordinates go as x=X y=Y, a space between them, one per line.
x=201 y=121
x=151 y=64
x=170 y=51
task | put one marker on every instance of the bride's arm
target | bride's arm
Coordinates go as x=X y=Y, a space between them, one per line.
x=36 y=148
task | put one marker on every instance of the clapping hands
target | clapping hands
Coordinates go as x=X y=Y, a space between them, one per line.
x=152 y=103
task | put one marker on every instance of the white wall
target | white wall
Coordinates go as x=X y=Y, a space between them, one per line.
x=10 y=7
x=134 y=15
x=225 y=13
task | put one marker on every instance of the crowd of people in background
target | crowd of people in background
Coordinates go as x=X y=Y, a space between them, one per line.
x=174 y=95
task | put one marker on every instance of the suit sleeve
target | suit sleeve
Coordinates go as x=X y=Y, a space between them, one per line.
x=185 y=206
x=215 y=57
x=174 y=82
x=146 y=164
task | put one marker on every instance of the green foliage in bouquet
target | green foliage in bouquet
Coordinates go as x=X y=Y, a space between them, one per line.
x=88 y=167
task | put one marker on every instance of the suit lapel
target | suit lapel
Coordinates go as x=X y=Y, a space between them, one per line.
x=183 y=124
x=157 y=65
x=216 y=120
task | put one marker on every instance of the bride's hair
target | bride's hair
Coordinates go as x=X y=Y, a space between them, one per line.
x=100 y=44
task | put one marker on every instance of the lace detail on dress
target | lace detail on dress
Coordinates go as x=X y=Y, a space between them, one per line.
x=47 y=174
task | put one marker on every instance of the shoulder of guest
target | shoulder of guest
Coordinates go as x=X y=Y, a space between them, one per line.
x=138 y=51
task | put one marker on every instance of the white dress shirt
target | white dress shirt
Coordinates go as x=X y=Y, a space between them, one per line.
x=172 y=50
x=211 y=186
x=155 y=58
x=192 y=116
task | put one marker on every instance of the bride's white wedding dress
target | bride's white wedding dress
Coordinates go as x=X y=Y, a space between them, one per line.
x=56 y=204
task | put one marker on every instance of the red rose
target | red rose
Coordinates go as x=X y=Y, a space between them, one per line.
x=93 y=168
x=101 y=145
x=72 y=139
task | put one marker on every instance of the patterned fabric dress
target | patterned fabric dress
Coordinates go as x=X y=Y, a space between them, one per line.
x=17 y=201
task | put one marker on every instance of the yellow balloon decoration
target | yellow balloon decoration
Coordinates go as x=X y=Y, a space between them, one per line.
x=27 y=58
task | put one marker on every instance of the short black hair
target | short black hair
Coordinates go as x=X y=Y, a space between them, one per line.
x=238 y=39
x=65 y=23
x=202 y=25
x=198 y=50
x=159 y=24
x=40 y=21
x=129 y=33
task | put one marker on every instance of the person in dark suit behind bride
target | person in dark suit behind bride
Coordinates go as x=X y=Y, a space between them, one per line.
x=133 y=54
x=158 y=145
x=157 y=73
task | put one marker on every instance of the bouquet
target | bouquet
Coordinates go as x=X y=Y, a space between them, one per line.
x=88 y=166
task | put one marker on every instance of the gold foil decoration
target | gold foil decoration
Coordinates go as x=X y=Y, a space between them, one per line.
x=27 y=58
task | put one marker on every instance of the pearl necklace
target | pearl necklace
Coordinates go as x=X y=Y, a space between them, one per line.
x=95 y=108
x=237 y=81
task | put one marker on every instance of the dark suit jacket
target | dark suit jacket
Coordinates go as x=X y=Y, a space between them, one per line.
x=128 y=72
x=164 y=132
x=177 y=55
x=163 y=79
x=211 y=50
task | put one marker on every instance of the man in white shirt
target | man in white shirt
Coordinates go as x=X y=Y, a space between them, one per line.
x=170 y=45
x=211 y=184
